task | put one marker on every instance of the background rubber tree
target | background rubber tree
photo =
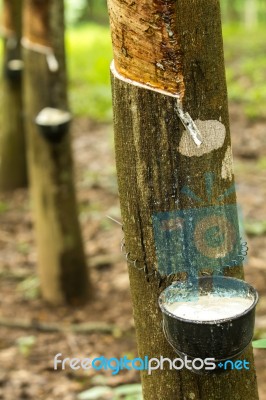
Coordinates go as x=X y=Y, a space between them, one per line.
x=13 y=169
x=168 y=59
x=251 y=13
x=62 y=265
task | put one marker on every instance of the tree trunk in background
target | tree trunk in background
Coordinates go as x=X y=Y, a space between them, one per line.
x=251 y=13
x=62 y=264
x=232 y=11
x=175 y=49
x=13 y=169
x=90 y=8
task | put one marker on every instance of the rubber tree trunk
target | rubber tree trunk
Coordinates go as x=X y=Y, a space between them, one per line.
x=13 y=169
x=62 y=264
x=169 y=54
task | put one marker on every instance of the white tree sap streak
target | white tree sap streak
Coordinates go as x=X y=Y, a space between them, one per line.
x=213 y=136
x=185 y=118
x=52 y=62
x=189 y=124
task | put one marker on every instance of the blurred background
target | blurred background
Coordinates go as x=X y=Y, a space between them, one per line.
x=31 y=330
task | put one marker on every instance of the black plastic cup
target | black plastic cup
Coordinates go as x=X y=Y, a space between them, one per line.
x=53 y=124
x=14 y=69
x=220 y=339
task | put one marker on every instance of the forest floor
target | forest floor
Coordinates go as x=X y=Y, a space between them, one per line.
x=26 y=355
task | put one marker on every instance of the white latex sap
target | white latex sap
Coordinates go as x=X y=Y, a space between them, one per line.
x=210 y=307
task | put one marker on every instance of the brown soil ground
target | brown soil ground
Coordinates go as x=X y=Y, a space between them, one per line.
x=26 y=356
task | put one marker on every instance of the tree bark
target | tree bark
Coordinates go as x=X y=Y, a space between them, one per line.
x=13 y=168
x=61 y=260
x=158 y=164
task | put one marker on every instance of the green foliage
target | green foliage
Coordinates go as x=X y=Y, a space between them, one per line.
x=25 y=344
x=255 y=228
x=259 y=344
x=126 y=392
x=23 y=248
x=129 y=392
x=246 y=68
x=89 y=55
x=73 y=10
x=236 y=10
x=96 y=393
x=262 y=163
x=29 y=287
x=85 y=10
x=3 y=207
